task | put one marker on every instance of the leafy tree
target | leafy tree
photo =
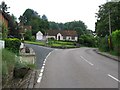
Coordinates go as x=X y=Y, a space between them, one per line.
x=44 y=17
x=102 y=24
x=28 y=35
x=87 y=40
x=54 y=26
x=3 y=7
x=13 y=26
x=31 y=17
x=79 y=26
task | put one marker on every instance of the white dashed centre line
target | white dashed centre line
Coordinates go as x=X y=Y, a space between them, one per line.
x=113 y=77
x=42 y=69
x=87 y=61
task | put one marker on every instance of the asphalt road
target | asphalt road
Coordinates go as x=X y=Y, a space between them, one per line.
x=41 y=53
x=77 y=68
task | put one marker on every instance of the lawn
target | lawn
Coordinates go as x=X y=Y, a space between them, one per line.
x=54 y=44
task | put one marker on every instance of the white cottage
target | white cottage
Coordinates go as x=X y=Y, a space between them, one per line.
x=39 y=35
x=69 y=35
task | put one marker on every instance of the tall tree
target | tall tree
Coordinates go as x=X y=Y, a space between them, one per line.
x=3 y=7
x=32 y=18
x=102 y=24
x=44 y=17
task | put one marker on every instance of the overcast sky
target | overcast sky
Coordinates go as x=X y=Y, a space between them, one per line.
x=59 y=10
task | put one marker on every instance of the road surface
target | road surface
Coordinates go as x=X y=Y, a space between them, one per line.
x=41 y=53
x=79 y=68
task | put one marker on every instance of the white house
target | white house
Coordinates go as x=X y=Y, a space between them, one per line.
x=2 y=44
x=39 y=35
x=70 y=35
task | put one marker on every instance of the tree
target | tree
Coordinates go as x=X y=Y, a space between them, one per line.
x=13 y=26
x=32 y=18
x=102 y=24
x=28 y=35
x=3 y=7
x=44 y=17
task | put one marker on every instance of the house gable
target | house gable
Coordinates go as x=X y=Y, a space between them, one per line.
x=39 y=35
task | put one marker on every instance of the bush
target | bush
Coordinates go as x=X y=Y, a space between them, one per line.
x=12 y=44
x=103 y=44
x=28 y=35
x=8 y=61
x=116 y=41
x=33 y=38
x=87 y=40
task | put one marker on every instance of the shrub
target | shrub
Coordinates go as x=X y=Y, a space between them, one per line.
x=33 y=38
x=28 y=35
x=12 y=44
x=116 y=41
x=4 y=31
x=8 y=61
x=103 y=44
x=87 y=40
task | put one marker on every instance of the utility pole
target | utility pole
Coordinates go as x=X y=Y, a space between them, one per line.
x=109 y=21
x=110 y=30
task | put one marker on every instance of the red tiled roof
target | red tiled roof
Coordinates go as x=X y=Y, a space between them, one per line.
x=63 y=32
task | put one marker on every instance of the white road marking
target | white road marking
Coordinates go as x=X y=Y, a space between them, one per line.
x=87 y=61
x=42 y=69
x=113 y=77
x=40 y=75
x=39 y=80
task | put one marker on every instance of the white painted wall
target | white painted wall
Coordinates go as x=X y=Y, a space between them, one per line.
x=39 y=36
x=59 y=35
x=76 y=38
x=2 y=44
x=51 y=37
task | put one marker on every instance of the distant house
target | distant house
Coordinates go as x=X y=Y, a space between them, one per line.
x=69 y=35
x=23 y=29
x=39 y=36
x=4 y=19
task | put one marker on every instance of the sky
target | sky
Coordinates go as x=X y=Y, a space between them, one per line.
x=59 y=10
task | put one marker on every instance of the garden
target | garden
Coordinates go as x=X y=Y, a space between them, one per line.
x=54 y=43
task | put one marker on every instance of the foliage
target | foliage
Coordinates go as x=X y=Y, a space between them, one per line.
x=79 y=26
x=8 y=61
x=4 y=31
x=54 y=43
x=13 y=26
x=31 y=17
x=33 y=38
x=102 y=24
x=3 y=6
x=103 y=44
x=28 y=35
x=87 y=40
x=12 y=44
x=116 y=41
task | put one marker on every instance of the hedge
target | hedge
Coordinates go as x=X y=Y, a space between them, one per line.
x=12 y=44
x=116 y=41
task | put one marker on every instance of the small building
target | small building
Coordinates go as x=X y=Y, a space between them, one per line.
x=4 y=18
x=69 y=35
x=39 y=35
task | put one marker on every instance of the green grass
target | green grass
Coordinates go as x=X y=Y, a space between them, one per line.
x=8 y=62
x=54 y=43
x=36 y=43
